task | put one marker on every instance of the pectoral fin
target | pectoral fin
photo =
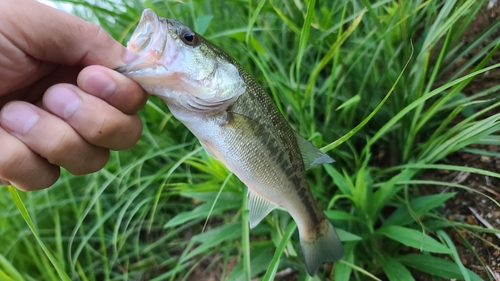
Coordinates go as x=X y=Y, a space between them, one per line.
x=259 y=207
x=311 y=155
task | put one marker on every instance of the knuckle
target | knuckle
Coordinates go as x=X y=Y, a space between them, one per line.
x=117 y=133
x=73 y=153
x=89 y=162
x=76 y=155
x=92 y=30
x=22 y=168
x=13 y=155
x=56 y=149
x=132 y=134
x=139 y=103
x=134 y=97
x=101 y=130
x=38 y=182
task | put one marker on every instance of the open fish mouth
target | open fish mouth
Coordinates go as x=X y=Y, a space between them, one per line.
x=144 y=35
x=149 y=41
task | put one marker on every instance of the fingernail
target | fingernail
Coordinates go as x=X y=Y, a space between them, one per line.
x=129 y=56
x=19 y=117
x=62 y=101
x=100 y=84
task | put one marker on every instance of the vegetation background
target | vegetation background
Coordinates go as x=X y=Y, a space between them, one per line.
x=383 y=86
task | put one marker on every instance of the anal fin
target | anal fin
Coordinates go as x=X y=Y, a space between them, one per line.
x=259 y=208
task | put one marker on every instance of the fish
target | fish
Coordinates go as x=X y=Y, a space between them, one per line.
x=236 y=122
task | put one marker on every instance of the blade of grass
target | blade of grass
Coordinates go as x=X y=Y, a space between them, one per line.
x=245 y=237
x=304 y=37
x=359 y=269
x=454 y=254
x=413 y=238
x=396 y=271
x=8 y=270
x=273 y=266
x=251 y=21
x=24 y=213
x=363 y=123
x=435 y=266
x=387 y=127
x=308 y=96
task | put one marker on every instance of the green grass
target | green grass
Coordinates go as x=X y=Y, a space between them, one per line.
x=355 y=77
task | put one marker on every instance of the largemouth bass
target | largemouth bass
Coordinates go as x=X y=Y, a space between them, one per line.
x=237 y=123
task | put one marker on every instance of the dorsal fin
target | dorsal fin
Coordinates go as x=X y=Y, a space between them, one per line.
x=311 y=155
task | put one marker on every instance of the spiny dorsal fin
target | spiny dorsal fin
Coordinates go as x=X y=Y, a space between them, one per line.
x=259 y=207
x=311 y=155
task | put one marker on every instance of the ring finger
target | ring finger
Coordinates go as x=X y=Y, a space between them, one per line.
x=22 y=167
x=52 y=138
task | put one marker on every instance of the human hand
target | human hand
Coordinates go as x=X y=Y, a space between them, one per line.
x=61 y=105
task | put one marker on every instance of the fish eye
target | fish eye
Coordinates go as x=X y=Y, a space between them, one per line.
x=188 y=37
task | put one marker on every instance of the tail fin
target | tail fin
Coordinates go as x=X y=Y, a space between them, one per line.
x=322 y=246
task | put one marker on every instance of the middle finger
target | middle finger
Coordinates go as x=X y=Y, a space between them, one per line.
x=52 y=138
x=94 y=119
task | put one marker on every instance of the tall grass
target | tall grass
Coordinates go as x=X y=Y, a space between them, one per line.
x=359 y=78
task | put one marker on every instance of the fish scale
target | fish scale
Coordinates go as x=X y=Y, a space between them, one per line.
x=246 y=105
x=250 y=105
x=237 y=123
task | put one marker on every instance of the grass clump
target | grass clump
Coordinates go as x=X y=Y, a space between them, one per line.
x=358 y=78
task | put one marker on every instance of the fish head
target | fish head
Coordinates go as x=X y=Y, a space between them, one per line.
x=181 y=66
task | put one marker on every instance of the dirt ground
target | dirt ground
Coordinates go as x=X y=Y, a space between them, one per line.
x=469 y=206
x=472 y=208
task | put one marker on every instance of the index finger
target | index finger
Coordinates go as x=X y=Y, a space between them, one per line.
x=51 y=35
x=113 y=87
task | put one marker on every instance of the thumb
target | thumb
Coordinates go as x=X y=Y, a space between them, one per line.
x=48 y=34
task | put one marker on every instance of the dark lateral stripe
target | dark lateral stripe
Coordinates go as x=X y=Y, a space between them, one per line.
x=308 y=202
x=299 y=183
